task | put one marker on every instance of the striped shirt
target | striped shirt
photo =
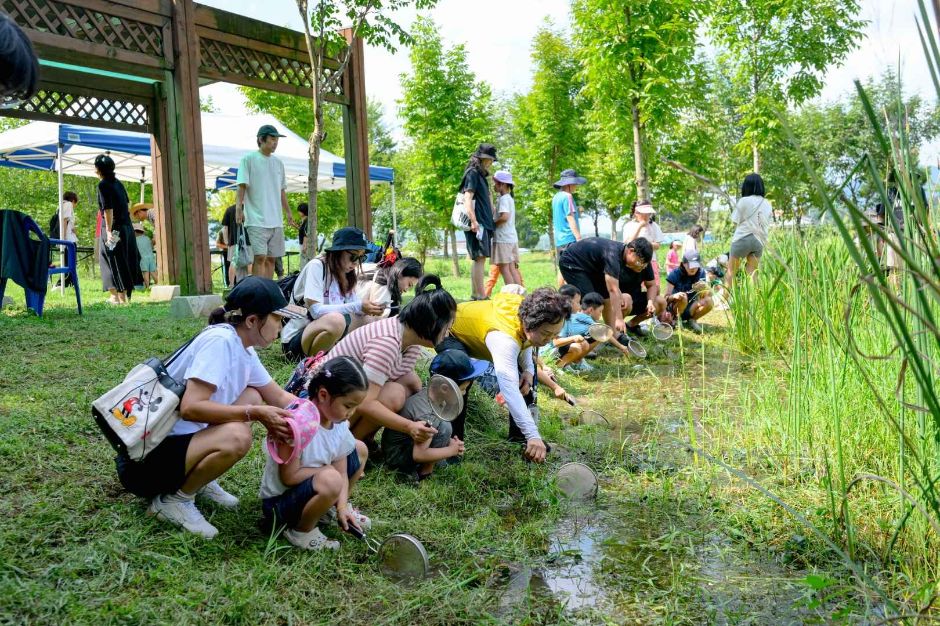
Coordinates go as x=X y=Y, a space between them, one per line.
x=378 y=347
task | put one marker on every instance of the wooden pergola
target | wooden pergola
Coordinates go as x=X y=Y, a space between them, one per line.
x=138 y=65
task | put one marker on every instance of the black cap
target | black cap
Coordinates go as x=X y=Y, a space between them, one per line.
x=348 y=238
x=486 y=151
x=267 y=129
x=254 y=295
x=457 y=366
x=692 y=260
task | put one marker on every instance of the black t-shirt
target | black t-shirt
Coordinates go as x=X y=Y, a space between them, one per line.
x=595 y=256
x=302 y=232
x=483 y=203
x=113 y=196
x=632 y=282
x=228 y=221
x=682 y=282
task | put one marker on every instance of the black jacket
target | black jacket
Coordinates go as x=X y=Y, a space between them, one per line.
x=23 y=259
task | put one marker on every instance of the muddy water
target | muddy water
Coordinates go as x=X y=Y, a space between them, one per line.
x=634 y=558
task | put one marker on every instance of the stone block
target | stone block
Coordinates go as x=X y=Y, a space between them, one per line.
x=164 y=293
x=182 y=307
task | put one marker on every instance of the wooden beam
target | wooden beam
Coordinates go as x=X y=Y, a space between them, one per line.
x=93 y=84
x=153 y=12
x=356 y=139
x=77 y=52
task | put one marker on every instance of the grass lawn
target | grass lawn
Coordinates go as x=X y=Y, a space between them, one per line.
x=74 y=548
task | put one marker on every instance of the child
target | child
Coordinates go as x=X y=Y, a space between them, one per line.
x=401 y=451
x=148 y=259
x=299 y=493
x=571 y=345
x=672 y=258
x=505 y=239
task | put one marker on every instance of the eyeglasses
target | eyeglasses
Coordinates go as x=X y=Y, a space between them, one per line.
x=357 y=258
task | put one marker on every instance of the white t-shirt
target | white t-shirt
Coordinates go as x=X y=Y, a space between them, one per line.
x=689 y=244
x=315 y=283
x=506 y=232
x=264 y=179
x=218 y=357
x=327 y=445
x=752 y=215
x=635 y=229
x=375 y=293
x=68 y=213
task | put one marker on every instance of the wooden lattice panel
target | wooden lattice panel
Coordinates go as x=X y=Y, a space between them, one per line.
x=86 y=108
x=77 y=22
x=229 y=61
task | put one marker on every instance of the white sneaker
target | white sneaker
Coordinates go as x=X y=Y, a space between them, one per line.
x=183 y=513
x=314 y=540
x=329 y=517
x=213 y=492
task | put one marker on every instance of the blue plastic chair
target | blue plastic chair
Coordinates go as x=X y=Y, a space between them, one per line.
x=34 y=299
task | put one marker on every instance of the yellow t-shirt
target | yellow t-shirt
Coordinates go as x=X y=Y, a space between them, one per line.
x=476 y=319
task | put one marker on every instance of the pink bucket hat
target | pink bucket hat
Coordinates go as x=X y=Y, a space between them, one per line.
x=304 y=422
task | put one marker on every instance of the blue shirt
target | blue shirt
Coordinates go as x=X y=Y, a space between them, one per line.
x=681 y=281
x=577 y=324
x=563 y=206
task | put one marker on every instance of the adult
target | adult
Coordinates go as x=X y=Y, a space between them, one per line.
x=504 y=331
x=479 y=208
x=565 y=213
x=261 y=199
x=326 y=287
x=303 y=208
x=389 y=285
x=388 y=350
x=19 y=67
x=752 y=215
x=227 y=388
x=118 y=259
x=682 y=291
x=642 y=224
x=505 y=239
x=690 y=243
x=67 y=216
x=144 y=212
x=619 y=273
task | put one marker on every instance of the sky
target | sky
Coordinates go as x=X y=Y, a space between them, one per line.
x=498 y=33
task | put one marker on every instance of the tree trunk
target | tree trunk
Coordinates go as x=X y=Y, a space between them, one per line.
x=756 y=154
x=446 y=245
x=455 y=259
x=551 y=246
x=639 y=164
x=597 y=217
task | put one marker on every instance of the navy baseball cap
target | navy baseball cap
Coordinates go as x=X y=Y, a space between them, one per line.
x=457 y=366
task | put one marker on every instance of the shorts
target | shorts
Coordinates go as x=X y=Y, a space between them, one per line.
x=162 y=471
x=583 y=280
x=287 y=508
x=477 y=248
x=640 y=302
x=687 y=313
x=148 y=263
x=505 y=253
x=398 y=448
x=266 y=241
x=746 y=246
x=293 y=351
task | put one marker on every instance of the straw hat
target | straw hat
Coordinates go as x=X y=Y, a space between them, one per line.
x=141 y=206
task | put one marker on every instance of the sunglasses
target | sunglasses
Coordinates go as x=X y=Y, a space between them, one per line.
x=357 y=258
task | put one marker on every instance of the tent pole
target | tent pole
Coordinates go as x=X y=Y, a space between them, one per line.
x=62 y=233
x=394 y=218
x=143 y=181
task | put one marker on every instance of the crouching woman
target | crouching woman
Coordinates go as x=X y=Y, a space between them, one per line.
x=227 y=388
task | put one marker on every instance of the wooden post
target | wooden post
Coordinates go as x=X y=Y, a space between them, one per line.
x=178 y=164
x=356 y=139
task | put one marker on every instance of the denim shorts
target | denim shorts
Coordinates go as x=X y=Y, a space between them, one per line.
x=287 y=508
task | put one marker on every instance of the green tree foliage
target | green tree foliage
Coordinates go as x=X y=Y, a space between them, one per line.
x=779 y=51
x=373 y=22
x=547 y=134
x=636 y=55
x=445 y=114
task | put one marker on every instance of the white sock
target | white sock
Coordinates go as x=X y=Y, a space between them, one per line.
x=179 y=496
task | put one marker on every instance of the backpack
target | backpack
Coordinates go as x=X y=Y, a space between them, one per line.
x=286 y=285
x=53 y=230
